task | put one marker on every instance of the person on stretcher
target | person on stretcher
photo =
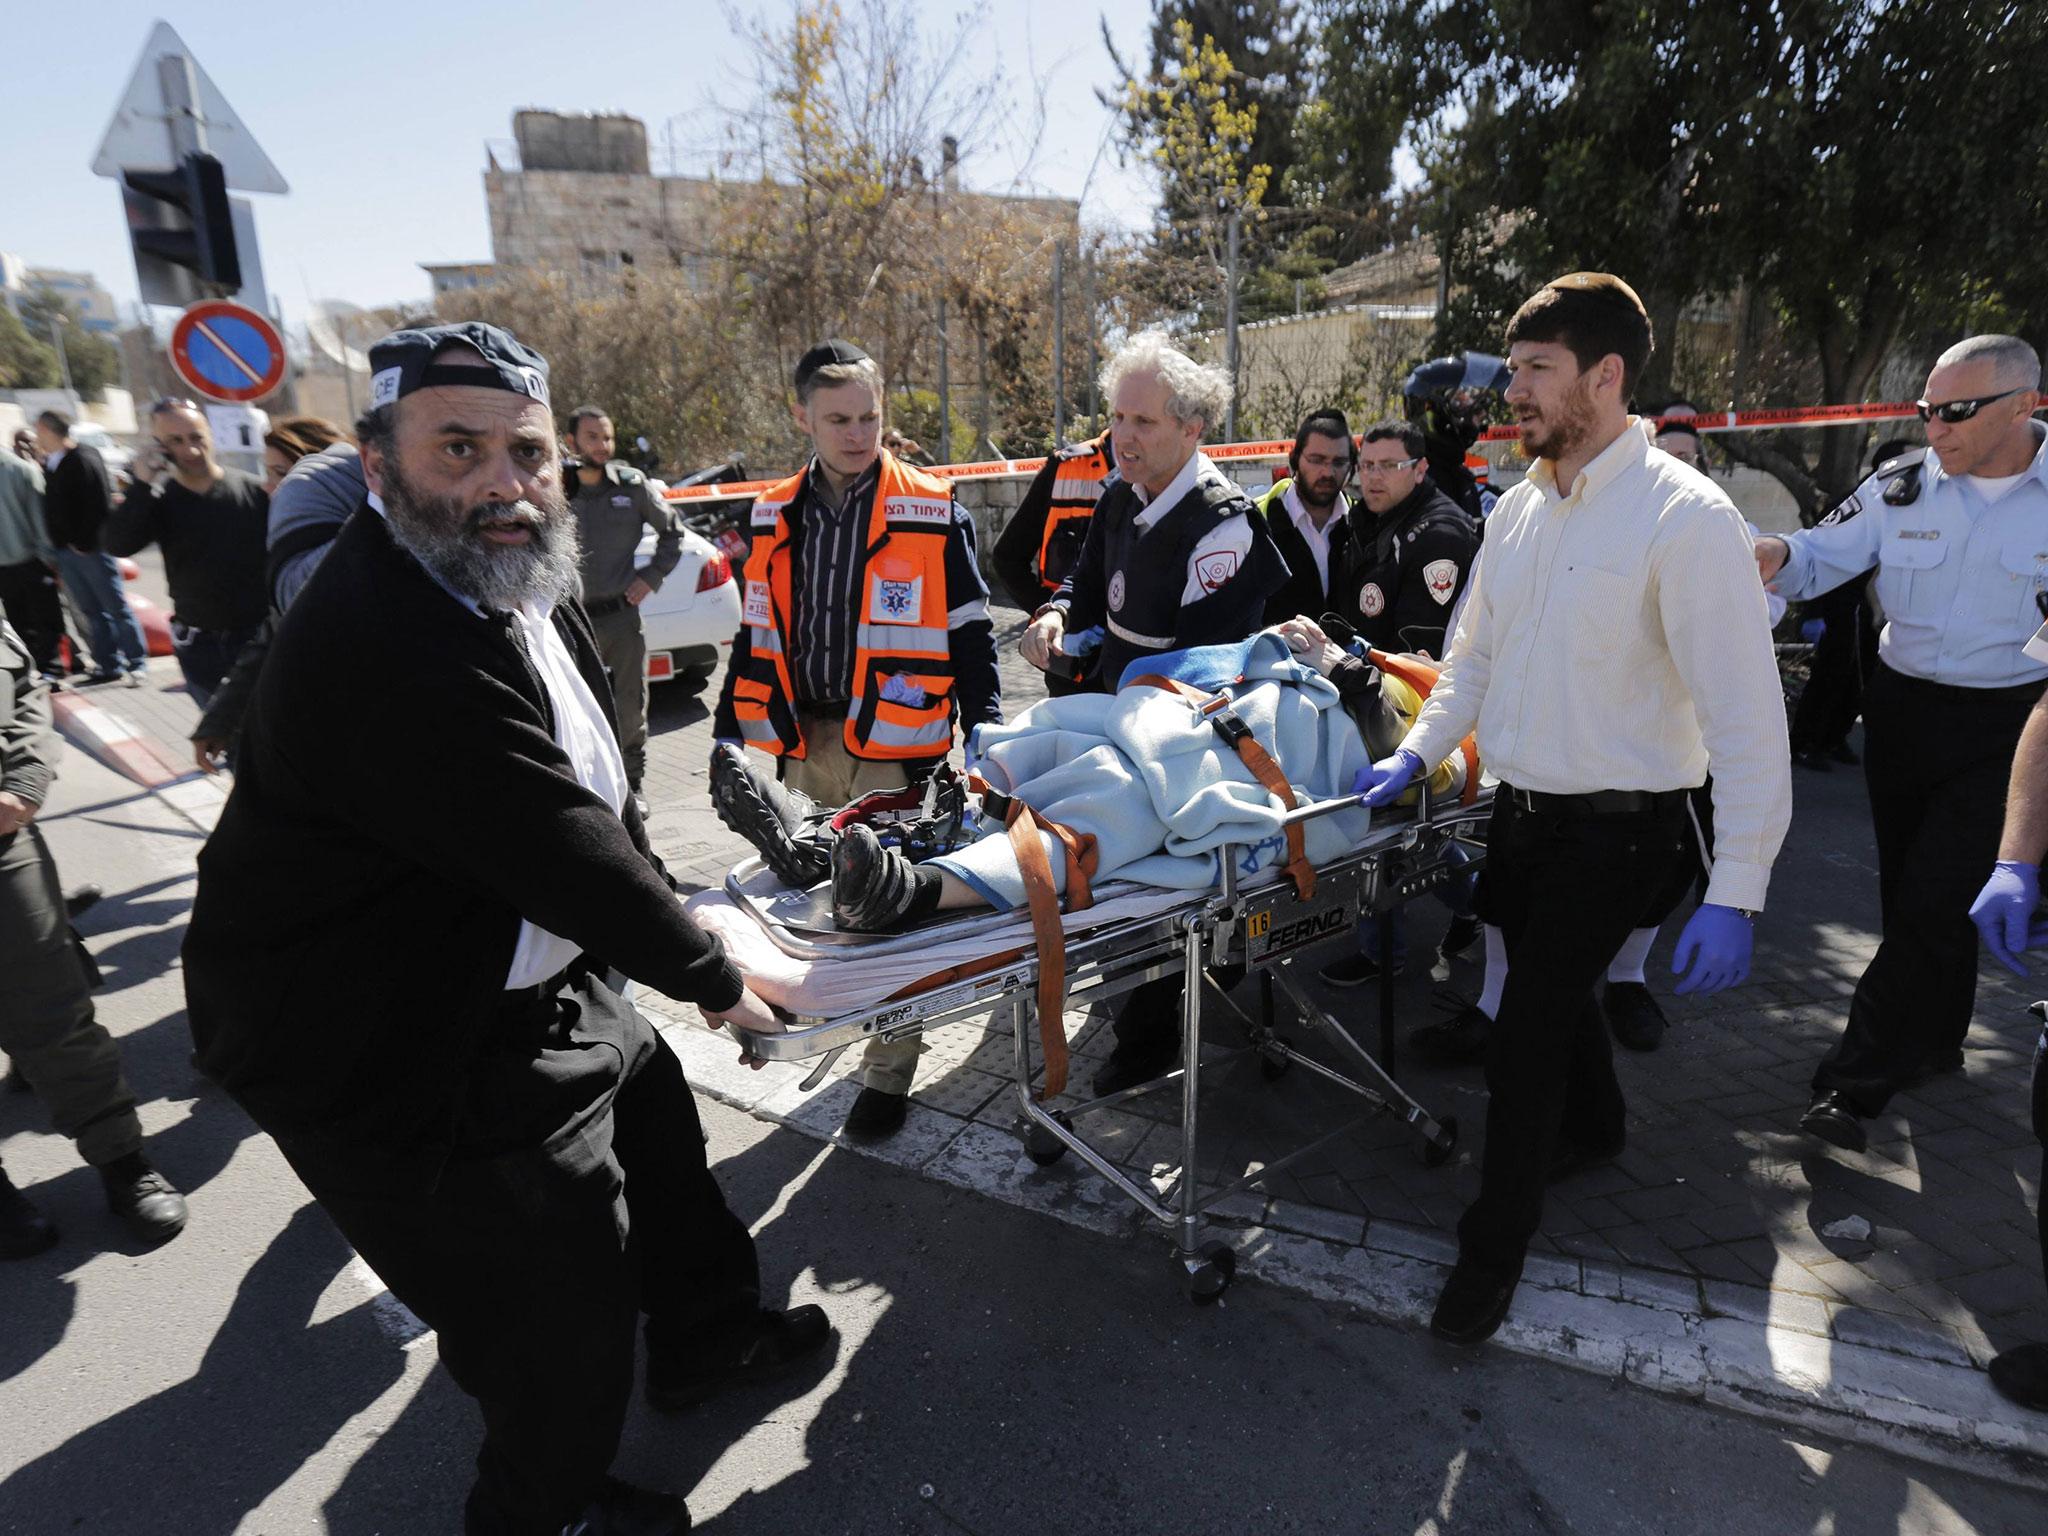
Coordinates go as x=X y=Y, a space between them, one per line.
x=1149 y=784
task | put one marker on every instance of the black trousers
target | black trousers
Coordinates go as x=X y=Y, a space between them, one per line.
x=1844 y=662
x=1936 y=759
x=1565 y=890
x=28 y=594
x=532 y=1265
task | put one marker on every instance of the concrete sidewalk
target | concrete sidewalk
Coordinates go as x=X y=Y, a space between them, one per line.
x=1725 y=1255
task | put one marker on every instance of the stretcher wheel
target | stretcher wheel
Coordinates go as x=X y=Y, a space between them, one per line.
x=1041 y=1146
x=1436 y=1150
x=1209 y=1279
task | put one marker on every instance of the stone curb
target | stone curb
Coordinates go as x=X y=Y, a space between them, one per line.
x=107 y=737
x=1774 y=1355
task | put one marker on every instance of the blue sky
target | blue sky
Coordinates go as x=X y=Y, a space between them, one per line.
x=377 y=113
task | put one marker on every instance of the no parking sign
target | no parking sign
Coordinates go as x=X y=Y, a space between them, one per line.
x=227 y=351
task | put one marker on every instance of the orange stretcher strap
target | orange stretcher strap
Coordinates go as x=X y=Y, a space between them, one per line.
x=1051 y=938
x=1216 y=709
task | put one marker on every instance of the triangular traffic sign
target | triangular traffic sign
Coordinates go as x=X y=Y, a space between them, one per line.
x=139 y=137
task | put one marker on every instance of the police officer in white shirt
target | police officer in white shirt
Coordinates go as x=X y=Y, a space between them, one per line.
x=1176 y=556
x=1612 y=652
x=1959 y=536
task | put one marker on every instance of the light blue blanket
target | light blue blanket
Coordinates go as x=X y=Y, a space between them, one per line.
x=1155 y=785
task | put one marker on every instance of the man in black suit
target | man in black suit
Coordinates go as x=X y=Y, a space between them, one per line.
x=77 y=497
x=406 y=986
x=1309 y=515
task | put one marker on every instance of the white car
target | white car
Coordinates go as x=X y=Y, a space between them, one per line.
x=692 y=617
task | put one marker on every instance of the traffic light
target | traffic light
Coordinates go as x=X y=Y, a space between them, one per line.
x=182 y=228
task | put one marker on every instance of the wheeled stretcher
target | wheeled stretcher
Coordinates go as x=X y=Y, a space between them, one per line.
x=1134 y=935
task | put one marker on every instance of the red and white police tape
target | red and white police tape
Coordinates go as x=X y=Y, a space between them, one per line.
x=1769 y=418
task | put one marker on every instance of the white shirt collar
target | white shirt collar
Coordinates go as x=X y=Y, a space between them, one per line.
x=1629 y=449
x=55 y=455
x=1292 y=502
x=1158 y=506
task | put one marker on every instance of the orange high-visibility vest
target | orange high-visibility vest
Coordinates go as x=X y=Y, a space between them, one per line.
x=1076 y=486
x=902 y=701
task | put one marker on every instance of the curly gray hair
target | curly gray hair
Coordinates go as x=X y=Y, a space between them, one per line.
x=1194 y=391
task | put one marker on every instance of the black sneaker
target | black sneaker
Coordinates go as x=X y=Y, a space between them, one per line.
x=1459 y=1041
x=24 y=1230
x=2021 y=1374
x=768 y=815
x=143 y=1198
x=876 y=1114
x=1463 y=933
x=1633 y=1017
x=747 y=1351
x=1472 y=1306
x=1356 y=970
x=872 y=886
x=623 y=1510
x=1834 y=1121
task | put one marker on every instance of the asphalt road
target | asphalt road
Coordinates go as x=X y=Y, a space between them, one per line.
x=995 y=1372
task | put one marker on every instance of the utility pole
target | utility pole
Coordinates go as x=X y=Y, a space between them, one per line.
x=1059 y=344
x=1094 y=362
x=1230 y=330
x=57 y=323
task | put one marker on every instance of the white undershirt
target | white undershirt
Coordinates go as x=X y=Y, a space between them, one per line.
x=1317 y=539
x=582 y=733
x=1992 y=488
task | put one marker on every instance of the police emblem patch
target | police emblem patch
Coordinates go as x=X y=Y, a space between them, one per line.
x=1214 y=570
x=1116 y=592
x=1372 y=602
x=1441 y=576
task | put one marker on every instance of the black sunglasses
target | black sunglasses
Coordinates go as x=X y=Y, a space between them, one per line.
x=1953 y=411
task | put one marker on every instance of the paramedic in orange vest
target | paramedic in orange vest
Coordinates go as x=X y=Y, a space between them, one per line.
x=864 y=632
x=1041 y=543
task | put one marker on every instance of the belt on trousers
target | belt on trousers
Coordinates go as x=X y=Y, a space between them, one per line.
x=1599 y=802
x=601 y=607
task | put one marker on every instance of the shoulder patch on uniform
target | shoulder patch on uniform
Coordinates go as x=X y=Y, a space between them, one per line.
x=1844 y=512
x=1902 y=462
x=1441 y=577
x=1214 y=570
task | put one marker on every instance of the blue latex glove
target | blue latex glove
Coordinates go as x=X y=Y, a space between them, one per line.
x=1713 y=952
x=2003 y=908
x=1812 y=630
x=1383 y=781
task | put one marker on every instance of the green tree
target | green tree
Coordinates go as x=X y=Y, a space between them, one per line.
x=94 y=361
x=25 y=362
x=1846 y=166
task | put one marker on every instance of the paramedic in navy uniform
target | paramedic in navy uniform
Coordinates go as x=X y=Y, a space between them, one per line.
x=1612 y=653
x=1176 y=556
x=1959 y=535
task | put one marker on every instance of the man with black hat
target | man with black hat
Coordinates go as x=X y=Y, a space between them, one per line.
x=407 y=990
x=1611 y=653
x=864 y=634
x=613 y=502
x=1307 y=514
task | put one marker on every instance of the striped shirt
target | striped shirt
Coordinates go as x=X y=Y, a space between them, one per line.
x=828 y=548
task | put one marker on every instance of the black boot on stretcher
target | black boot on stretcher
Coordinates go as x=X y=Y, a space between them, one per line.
x=876 y=889
x=769 y=816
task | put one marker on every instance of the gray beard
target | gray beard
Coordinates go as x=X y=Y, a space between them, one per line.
x=443 y=536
